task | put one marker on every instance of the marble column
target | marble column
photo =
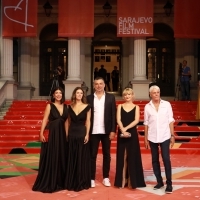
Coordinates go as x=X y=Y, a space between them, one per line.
x=128 y=72
x=74 y=59
x=25 y=89
x=131 y=59
x=25 y=64
x=139 y=59
x=73 y=79
x=7 y=59
x=126 y=65
x=82 y=59
x=8 y=89
x=8 y=86
x=140 y=82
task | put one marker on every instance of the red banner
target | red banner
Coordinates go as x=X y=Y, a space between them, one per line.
x=134 y=18
x=19 y=18
x=76 y=18
x=186 y=19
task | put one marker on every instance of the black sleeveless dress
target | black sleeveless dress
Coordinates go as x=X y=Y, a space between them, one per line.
x=53 y=154
x=134 y=171
x=78 y=169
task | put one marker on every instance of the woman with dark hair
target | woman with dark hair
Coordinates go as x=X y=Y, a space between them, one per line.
x=78 y=157
x=53 y=155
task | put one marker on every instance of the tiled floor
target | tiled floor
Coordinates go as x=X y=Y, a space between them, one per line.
x=18 y=173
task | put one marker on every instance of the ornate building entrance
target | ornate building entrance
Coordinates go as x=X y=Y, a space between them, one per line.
x=53 y=53
x=160 y=59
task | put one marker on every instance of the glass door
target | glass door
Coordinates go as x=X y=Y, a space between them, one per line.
x=52 y=55
x=160 y=66
x=106 y=63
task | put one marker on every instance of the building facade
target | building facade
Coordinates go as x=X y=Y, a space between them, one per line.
x=28 y=64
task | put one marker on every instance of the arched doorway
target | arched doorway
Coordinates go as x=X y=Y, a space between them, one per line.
x=106 y=51
x=161 y=59
x=53 y=53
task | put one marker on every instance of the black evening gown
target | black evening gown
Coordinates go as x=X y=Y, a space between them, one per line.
x=53 y=155
x=134 y=172
x=78 y=158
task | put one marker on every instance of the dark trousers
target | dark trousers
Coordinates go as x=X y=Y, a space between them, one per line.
x=164 y=146
x=94 y=144
x=108 y=85
x=115 y=84
x=185 y=90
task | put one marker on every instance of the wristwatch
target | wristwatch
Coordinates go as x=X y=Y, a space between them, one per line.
x=172 y=135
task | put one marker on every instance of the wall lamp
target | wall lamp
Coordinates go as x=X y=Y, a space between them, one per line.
x=168 y=8
x=107 y=8
x=47 y=7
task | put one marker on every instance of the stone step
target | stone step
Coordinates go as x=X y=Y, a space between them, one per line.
x=22 y=127
x=39 y=98
x=4 y=108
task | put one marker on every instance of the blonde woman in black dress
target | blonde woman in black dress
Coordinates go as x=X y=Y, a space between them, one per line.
x=129 y=170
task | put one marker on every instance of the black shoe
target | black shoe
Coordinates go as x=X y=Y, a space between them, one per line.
x=168 y=189
x=158 y=186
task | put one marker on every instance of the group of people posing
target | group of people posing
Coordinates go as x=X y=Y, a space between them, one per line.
x=68 y=158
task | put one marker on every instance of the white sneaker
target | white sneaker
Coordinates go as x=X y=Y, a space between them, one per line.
x=92 y=184
x=106 y=182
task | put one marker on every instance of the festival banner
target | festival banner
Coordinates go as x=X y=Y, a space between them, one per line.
x=76 y=18
x=186 y=19
x=19 y=18
x=134 y=18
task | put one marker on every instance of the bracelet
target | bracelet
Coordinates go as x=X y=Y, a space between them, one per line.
x=173 y=136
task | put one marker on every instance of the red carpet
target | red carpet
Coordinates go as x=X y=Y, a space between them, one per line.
x=19 y=134
x=19 y=131
x=186 y=181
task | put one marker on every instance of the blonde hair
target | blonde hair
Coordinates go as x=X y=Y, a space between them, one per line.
x=128 y=90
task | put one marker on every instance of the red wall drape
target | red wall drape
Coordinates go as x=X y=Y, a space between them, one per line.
x=134 y=18
x=76 y=18
x=19 y=18
x=186 y=19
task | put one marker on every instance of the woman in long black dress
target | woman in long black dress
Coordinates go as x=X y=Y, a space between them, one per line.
x=53 y=155
x=78 y=158
x=129 y=170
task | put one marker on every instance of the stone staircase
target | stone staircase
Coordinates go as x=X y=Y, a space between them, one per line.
x=4 y=108
x=21 y=121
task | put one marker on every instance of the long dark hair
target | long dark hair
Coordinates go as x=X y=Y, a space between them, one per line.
x=73 y=98
x=63 y=95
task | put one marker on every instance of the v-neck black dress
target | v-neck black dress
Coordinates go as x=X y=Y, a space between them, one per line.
x=53 y=154
x=78 y=158
x=133 y=163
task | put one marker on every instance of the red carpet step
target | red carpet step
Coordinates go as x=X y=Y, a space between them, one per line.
x=19 y=130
